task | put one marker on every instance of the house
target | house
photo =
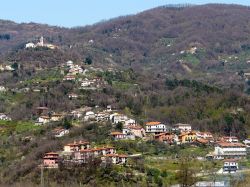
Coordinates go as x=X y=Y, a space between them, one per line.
x=116 y=118
x=109 y=108
x=224 y=150
x=230 y=166
x=3 y=89
x=118 y=135
x=76 y=146
x=69 y=78
x=4 y=117
x=137 y=131
x=102 y=116
x=247 y=142
x=129 y=134
x=82 y=156
x=89 y=116
x=231 y=139
x=41 y=43
x=205 y=135
x=166 y=137
x=74 y=70
x=115 y=159
x=56 y=117
x=30 y=45
x=86 y=83
x=50 y=160
x=9 y=68
x=43 y=120
x=69 y=63
x=60 y=132
x=187 y=137
x=73 y=96
x=41 y=110
x=182 y=127
x=76 y=114
x=155 y=127
x=130 y=122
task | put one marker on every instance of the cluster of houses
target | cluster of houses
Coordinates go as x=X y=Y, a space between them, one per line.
x=47 y=117
x=227 y=147
x=60 y=132
x=86 y=83
x=6 y=68
x=93 y=83
x=73 y=70
x=81 y=153
x=41 y=43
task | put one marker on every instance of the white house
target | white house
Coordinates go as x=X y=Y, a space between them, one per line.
x=224 y=150
x=116 y=118
x=73 y=96
x=86 y=83
x=69 y=63
x=231 y=139
x=89 y=116
x=43 y=119
x=30 y=45
x=76 y=114
x=205 y=135
x=130 y=122
x=247 y=142
x=3 y=89
x=182 y=127
x=60 y=132
x=9 y=68
x=230 y=166
x=102 y=116
x=135 y=131
x=4 y=117
x=155 y=127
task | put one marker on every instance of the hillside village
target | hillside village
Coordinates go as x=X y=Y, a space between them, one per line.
x=229 y=152
x=160 y=98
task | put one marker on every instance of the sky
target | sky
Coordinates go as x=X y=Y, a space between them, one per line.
x=72 y=13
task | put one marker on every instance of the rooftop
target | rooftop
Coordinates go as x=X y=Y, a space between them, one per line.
x=153 y=123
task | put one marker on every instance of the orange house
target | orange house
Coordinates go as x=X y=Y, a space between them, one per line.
x=166 y=137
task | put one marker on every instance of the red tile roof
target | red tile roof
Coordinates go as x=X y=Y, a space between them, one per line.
x=117 y=133
x=227 y=144
x=152 y=123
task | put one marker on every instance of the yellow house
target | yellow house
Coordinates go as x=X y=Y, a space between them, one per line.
x=187 y=137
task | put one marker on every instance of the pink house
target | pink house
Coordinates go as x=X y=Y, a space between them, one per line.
x=118 y=135
x=50 y=160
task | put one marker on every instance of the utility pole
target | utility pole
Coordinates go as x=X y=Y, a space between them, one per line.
x=42 y=176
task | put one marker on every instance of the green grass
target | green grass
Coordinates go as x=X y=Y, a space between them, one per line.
x=50 y=75
x=10 y=127
x=190 y=58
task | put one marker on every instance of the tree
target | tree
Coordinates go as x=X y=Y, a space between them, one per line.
x=119 y=126
x=186 y=175
x=15 y=66
x=88 y=61
x=67 y=124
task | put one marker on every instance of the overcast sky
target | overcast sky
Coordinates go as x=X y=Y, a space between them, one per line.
x=70 y=13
